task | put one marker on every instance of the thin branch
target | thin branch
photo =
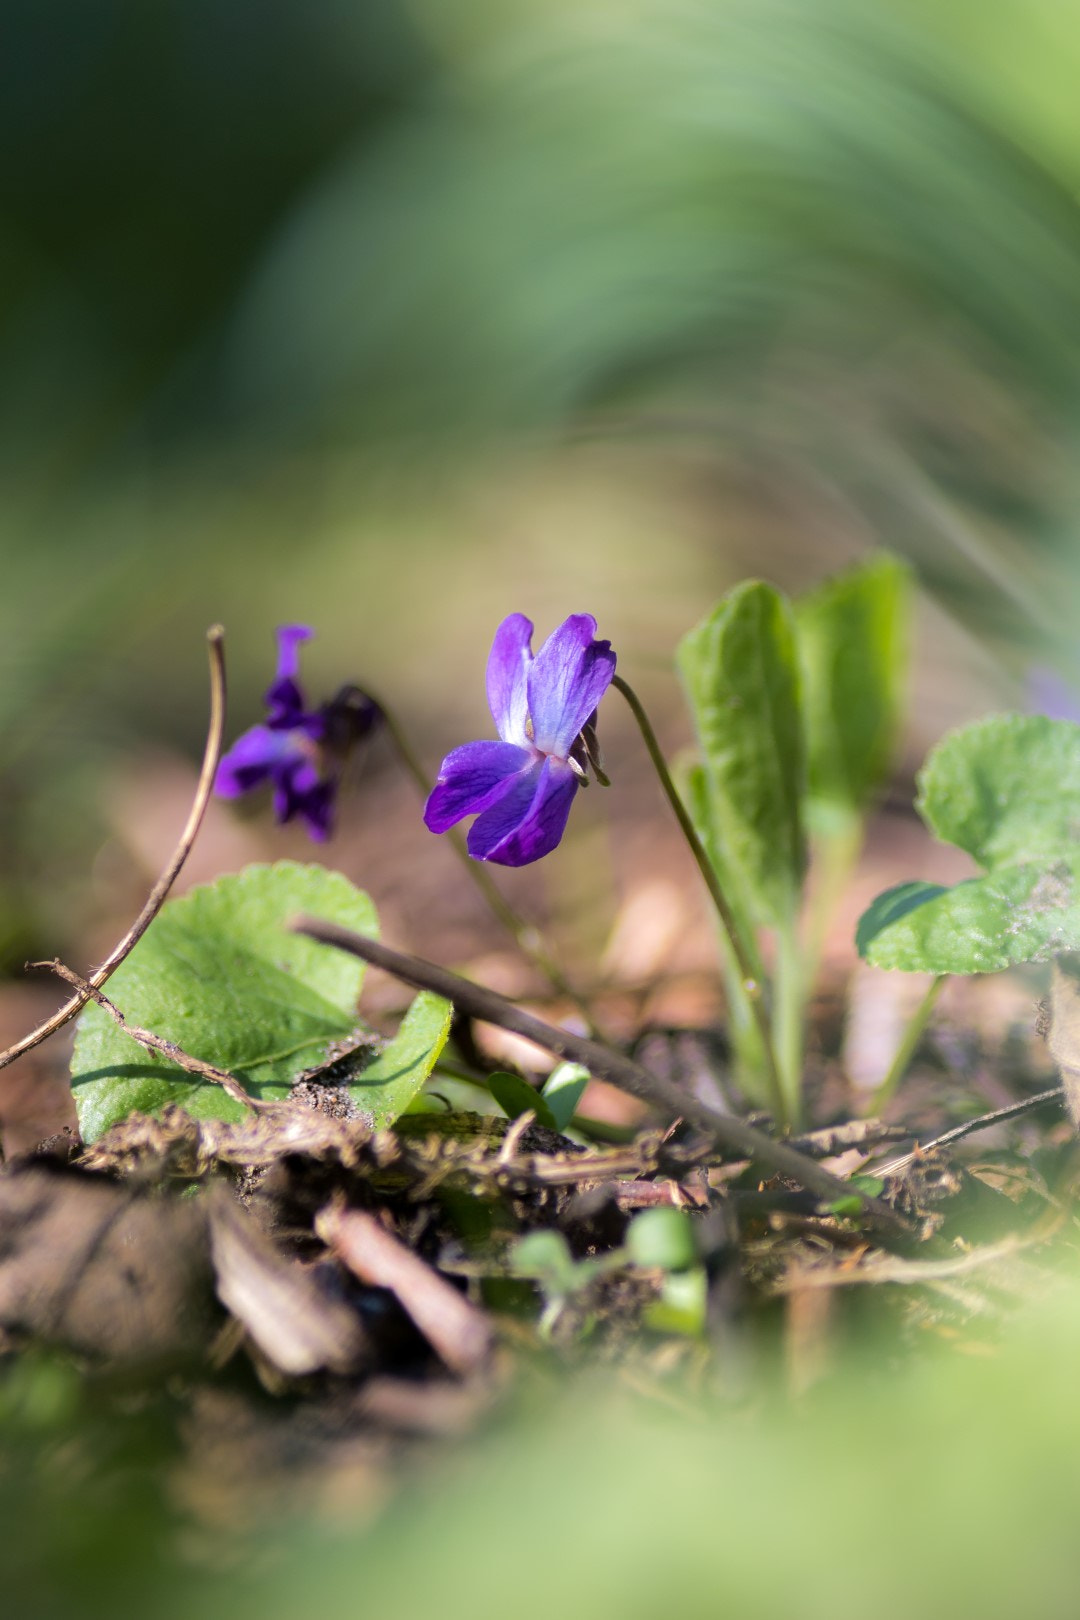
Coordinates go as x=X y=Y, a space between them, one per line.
x=159 y=893
x=603 y=1062
x=996 y=1117
x=157 y=1043
x=456 y=1329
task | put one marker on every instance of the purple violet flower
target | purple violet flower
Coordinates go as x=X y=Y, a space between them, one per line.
x=299 y=751
x=521 y=788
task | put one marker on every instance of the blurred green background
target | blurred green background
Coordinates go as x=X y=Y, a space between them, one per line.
x=397 y=315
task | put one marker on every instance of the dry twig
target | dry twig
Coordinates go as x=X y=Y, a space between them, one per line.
x=601 y=1061
x=457 y=1331
x=157 y=1043
x=997 y=1116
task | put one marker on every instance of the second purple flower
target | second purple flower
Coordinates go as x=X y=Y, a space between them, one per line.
x=298 y=750
x=521 y=787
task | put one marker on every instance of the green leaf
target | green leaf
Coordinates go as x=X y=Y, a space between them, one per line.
x=394 y=1079
x=563 y=1090
x=1006 y=789
x=545 y=1257
x=1025 y=913
x=218 y=973
x=683 y=1304
x=849 y=1204
x=881 y=914
x=852 y=635
x=515 y=1097
x=661 y=1237
x=741 y=673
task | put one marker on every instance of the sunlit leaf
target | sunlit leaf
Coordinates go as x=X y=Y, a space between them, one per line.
x=515 y=1097
x=395 y=1077
x=890 y=907
x=1005 y=789
x=219 y=973
x=563 y=1090
x=1025 y=913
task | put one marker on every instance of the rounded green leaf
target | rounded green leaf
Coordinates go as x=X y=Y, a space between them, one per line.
x=1006 y=789
x=219 y=973
x=889 y=908
x=544 y=1256
x=1024 y=913
x=683 y=1303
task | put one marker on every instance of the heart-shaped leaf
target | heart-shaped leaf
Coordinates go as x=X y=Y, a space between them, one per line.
x=219 y=973
x=1006 y=790
x=1025 y=913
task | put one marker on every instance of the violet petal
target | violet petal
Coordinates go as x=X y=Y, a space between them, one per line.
x=526 y=824
x=252 y=760
x=508 y=665
x=284 y=699
x=316 y=810
x=472 y=778
x=294 y=782
x=566 y=681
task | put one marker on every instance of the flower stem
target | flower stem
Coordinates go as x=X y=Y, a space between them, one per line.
x=526 y=936
x=906 y=1050
x=751 y=984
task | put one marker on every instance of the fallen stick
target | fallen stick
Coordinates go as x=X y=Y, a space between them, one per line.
x=457 y=1331
x=157 y=1043
x=603 y=1062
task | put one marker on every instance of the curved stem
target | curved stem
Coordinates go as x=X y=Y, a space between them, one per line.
x=526 y=936
x=909 y=1041
x=750 y=983
x=215 y=637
